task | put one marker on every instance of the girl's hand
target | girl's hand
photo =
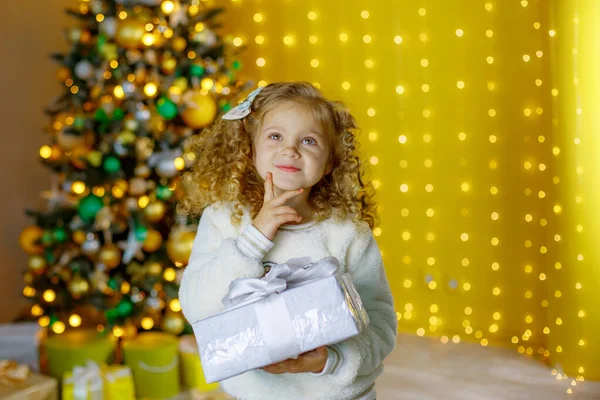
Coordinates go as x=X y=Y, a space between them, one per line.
x=313 y=361
x=273 y=212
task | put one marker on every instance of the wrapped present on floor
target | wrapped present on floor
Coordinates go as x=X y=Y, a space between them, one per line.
x=191 y=368
x=17 y=382
x=154 y=361
x=91 y=381
x=20 y=342
x=295 y=308
x=75 y=348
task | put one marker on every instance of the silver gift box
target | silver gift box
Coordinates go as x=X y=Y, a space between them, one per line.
x=20 y=342
x=279 y=327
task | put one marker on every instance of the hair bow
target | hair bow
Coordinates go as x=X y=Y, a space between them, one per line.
x=243 y=109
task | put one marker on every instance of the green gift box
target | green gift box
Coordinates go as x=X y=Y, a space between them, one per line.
x=154 y=362
x=191 y=367
x=74 y=348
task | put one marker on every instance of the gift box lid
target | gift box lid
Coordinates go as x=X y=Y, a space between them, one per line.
x=79 y=339
x=150 y=340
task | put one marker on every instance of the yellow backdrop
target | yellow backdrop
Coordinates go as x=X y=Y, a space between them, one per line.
x=482 y=155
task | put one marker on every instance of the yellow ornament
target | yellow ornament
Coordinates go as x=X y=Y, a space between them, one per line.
x=110 y=256
x=78 y=287
x=109 y=51
x=181 y=83
x=179 y=44
x=200 y=110
x=179 y=246
x=153 y=241
x=154 y=268
x=37 y=264
x=130 y=32
x=95 y=158
x=168 y=66
x=155 y=211
x=28 y=238
x=173 y=323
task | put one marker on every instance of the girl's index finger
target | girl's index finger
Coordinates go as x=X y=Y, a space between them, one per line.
x=269 y=187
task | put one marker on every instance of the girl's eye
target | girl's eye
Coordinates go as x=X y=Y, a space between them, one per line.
x=312 y=141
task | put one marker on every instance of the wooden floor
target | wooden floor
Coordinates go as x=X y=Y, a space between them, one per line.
x=426 y=369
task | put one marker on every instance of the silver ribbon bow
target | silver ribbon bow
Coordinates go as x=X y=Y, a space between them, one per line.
x=295 y=272
x=82 y=376
x=243 y=109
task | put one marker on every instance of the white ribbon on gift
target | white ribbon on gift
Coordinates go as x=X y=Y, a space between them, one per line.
x=82 y=375
x=274 y=320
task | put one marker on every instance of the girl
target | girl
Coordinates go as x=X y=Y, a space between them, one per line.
x=279 y=177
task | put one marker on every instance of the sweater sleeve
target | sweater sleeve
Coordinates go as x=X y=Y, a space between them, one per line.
x=362 y=354
x=218 y=257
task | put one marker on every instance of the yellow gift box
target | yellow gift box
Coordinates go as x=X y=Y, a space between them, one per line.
x=191 y=368
x=94 y=382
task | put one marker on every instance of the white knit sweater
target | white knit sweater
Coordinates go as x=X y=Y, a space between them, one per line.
x=223 y=252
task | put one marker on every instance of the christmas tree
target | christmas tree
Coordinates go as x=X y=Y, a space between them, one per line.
x=140 y=77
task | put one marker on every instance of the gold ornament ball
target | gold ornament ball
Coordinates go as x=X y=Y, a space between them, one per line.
x=130 y=32
x=68 y=141
x=37 y=264
x=28 y=237
x=131 y=124
x=79 y=156
x=179 y=44
x=201 y=112
x=63 y=74
x=110 y=256
x=179 y=247
x=168 y=66
x=155 y=211
x=153 y=241
x=154 y=268
x=173 y=323
x=79 y=237
x=142 y=170
x=78 y=287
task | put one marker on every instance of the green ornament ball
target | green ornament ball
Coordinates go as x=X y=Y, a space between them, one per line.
x=118 y=114
x=47 y=238
x=53 y=319
x=163 y=192
x=124 y=308
x=100 y=115
x=111 y=164
x=226 y=107
x=50 y=257
x=111 y=315
x=141 y=233
x=79 y=123
x=112 y=283
x=166 y=108
x=89 y=206
x=196 y=70
x=60 y=235
x=237 y=64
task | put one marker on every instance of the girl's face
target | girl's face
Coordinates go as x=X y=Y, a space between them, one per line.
x=290 y=137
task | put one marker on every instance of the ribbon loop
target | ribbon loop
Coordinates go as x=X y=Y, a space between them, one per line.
x=295 y=272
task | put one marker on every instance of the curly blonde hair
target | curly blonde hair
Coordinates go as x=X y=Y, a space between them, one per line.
x=224 y=170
